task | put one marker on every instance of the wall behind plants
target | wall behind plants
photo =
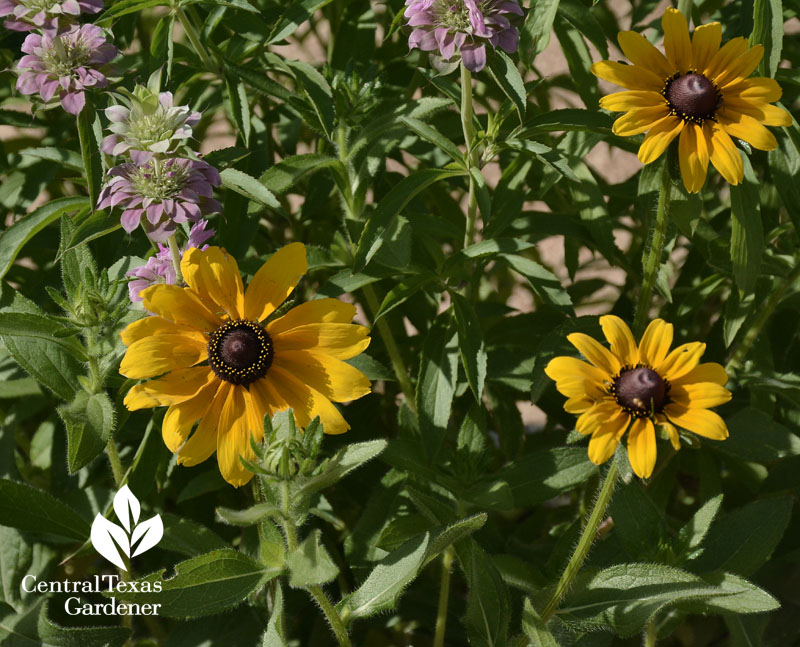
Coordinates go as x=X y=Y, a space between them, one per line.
x=575 y=420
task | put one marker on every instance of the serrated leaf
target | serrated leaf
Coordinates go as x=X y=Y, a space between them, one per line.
x=273 y=636
x=289 y=171
x=691 y=535
x=318 y=92
x=34 y=326
x=89 y=421
x=538 y=25
x=488 y=604
x=747 y=232
x=248 y=186
x=310 y=563
x=295 y=15
x=27 y=508
x=505 y=73
x=471 y=347
x=248 y=516
x=239 y=106
x=342 y=463
x=535 y=628
x=67 y=158
x=434 y=137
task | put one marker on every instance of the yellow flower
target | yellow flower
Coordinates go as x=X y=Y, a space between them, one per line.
x=634 y=387
x=226 y=368
x=699 y=91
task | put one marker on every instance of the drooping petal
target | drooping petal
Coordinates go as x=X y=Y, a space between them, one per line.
x=180 y=418
x=606 y=437
x=203 y=442
x=233 y=438
x=672 y=433
x=639 y=120
x=642 y=447
x=748 y=129
x=306 y=402
x=723 y=153
x=693 y=157
x=600 y=413
x=619 y=336
x=659 y=137
x=275 y=281
x=700 y=421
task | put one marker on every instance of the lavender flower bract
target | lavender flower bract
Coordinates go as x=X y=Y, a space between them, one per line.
x=66 y=63
x=26 y=15
x=163 y=192
x=159 y=268
x=467 y=25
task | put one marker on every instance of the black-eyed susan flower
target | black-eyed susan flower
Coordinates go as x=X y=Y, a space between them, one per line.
x=224 y=367
x=632 y=388
x=696 y=90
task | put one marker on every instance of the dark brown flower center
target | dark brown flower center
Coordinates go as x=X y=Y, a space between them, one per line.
x=240 y=352
x=692 y=97
x=640 y=391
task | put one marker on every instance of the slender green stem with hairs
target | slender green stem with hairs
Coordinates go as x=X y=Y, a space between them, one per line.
x=585 y=542
x=175 y=251
x=651 y=258
x=650 y=634
x=444 y=595
x=466 y=125
x=194 y=38
x=116 y=462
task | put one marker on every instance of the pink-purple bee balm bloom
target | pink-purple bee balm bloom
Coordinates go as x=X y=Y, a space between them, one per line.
x=26 y=15
x=65 y=63
x=163 y=192
x=159 y=268
x=466 y=25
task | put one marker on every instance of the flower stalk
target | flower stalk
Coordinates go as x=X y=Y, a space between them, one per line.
x=471 y=157
x=651 y=259
x=175 y=252
x=585 y=543
x=194 y=38
x=444 y=594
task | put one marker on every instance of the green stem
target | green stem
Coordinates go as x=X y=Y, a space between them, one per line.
x=685 y=7
x=116 y=462
x=444 y=595
x=466 y=126
x=175 y=251
x=585 y=542
x=651 y=259
x=194 y=39
x=764 y=313
x=650 y=634
x=391 y=347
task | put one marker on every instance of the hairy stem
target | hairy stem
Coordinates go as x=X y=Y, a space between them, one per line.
x=444 y=595
x=651 y=259
x=466 y=126
x=175 y=251
x=194 y=38
x=650 y=634
x=585 y=542
x=116 y=463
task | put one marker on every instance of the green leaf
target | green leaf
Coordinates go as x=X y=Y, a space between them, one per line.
x=567 y=119
x=768 y=31
x=585 y=22
x=535 y=628
x=52 y=634
x=295 y=15
x=401 y=292
x=27 y=508
x=433 y=136
x=384 y=585
x=747 y=232
x=541 y=475
x=784 y=165
x=249 y=516
x=90 y=421
x=542 y=280
x=310 y=563
x=188 y=537
x=32 y=326
x=488 y=604
x=125 y=7
x=342 y=463
x=579 y=60
x=392 y=204
x=289 y=171
x=741 y=541
x=691 y=535
x=453 y=533
x=67 y=158
x=772 y=442
x=737 y=596
x=239 y=106
x=535 y=32
x=472 y=348
x=638 y=523
x=90 y=152
x=318 y=92
x=23 y=388
x=436 y=385
x=14 y=238
x=273 y=636
x=505 y=73
x=201 y=586
x=249 y=187
x=16 y=556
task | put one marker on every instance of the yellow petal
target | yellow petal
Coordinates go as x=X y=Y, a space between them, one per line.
x=639 y=120
x=578 y=405
x=203 y=442
x=677 y=45
x=641 y=52
x=596 y=353
x=150 y=326
x=762 y=112
x=693 y=157
x=306 y=402
x=681 y=360
x=659 y=137
x=700 y=421
x=214 y=275
x=180 y=305
x=267 y=397
x=600 y=413
x=275 y=281
x=747 y=129
x=342 y=341
x=741 y=67
x=630 y=99
x=175 y=387
x=757 y=88
x=606 y=437
x=642 y=447
x=180 y=418
x=655 y=343
x=333 y=378
x=728 y=53
x=630 y=77
x=723 y=153
x=708 y=372
x=705 y=43
x=153 y=356
x=233 y=438
x=672 y=433
x=619 y=336
x=700 y=395
x=313 y=312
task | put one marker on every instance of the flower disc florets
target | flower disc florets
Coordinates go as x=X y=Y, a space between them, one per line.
x=67 y=62
x=240 y=352
x=640 y=391
x=150 y=123
x=468 y=25
x=165 y=192
x=26 y=15
x=692 y=97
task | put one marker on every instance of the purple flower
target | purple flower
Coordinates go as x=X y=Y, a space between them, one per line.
x=159 y=268
x=468 y=25
x=66 y=63
x=163 y=192
x=26 y=15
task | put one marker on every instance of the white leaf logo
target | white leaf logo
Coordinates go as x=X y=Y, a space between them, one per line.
x=109 y=539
